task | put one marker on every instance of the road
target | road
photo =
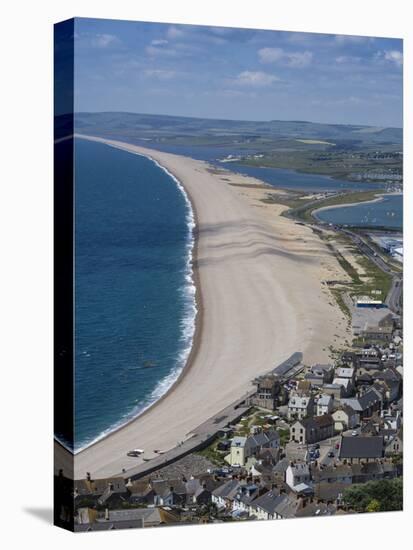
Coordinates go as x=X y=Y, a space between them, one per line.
x=394 y=296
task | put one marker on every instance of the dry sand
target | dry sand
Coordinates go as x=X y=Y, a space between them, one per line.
x=260 y=296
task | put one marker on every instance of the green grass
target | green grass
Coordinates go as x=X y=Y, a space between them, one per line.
x=338 y=296
x=213 y=455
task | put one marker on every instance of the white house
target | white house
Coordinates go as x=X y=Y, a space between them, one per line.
x=346 y=383
x=239 y=451
x=300 y=406
x=345 y=418
x=223 y=496
x=345 y=372
x=296 y=474
x=242 y=448
x=324 y=404
x=265 y=506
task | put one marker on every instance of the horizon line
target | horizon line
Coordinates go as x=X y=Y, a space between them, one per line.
x=233 y=119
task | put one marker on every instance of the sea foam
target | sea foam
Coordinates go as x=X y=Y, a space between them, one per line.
x=187 y=323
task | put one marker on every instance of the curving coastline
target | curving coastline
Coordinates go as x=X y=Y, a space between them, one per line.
x=187 y=325
x=236 y=256
x=379 y=198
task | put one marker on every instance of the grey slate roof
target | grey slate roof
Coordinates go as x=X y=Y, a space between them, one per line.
x=269 y=501
x=361 y=447
x=228 y=489
x=262 y=438
x=363 y=402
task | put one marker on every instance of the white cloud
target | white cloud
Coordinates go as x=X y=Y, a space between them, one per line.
x=160 y=74
x=174 y=32
x=155 y=51
x=349 y=39
x=104 y=40
x=394 y=56
x=255 y=79
x=342 y=59
x=270 y=55
x=160 y=42
x=291 y=59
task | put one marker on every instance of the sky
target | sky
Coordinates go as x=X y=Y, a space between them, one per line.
x=218 y=72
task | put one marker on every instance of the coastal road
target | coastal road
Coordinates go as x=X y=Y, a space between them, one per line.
x=394 y=296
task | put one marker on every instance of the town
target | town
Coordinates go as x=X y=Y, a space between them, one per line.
x=309 y=440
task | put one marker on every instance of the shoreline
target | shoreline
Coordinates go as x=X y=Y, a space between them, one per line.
x=198 y=303
x=379 y=198
x=251 y=320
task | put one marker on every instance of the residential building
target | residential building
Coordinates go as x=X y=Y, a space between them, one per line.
x=270 y=393
x=345 y=418
x=300 y=407
x=345 y=372
x=297 y=473
x=239 y=451
x=311 y=430
x=271 y=505
x=320 y=374
x=223 y=496
x=394 y=445
x=367 y=403
x=324 y=404
x=356 y=449
x=335 y=390
x=347 y=385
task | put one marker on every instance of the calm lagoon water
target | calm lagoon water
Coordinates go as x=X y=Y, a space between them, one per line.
x=278 y=177
x=388 y=212
x=135 y=304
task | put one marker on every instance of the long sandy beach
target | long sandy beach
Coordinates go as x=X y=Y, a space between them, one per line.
x=260 y=298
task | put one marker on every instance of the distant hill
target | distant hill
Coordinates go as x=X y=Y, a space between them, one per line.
x=144 y=126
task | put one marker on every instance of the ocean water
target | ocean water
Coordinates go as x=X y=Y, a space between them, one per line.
x=387 y=212
x=135 y=299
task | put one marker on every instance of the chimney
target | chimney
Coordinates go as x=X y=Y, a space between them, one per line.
x=107 y=514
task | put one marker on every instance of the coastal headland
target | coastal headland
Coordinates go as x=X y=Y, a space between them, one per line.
x=259 y=296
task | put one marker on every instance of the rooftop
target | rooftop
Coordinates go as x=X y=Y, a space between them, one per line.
x=361 y=447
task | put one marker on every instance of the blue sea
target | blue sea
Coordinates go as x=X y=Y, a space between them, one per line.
x=388 y=213
x=135 y=299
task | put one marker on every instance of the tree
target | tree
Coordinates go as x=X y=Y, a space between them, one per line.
x=387 y=492
x=373 y=506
